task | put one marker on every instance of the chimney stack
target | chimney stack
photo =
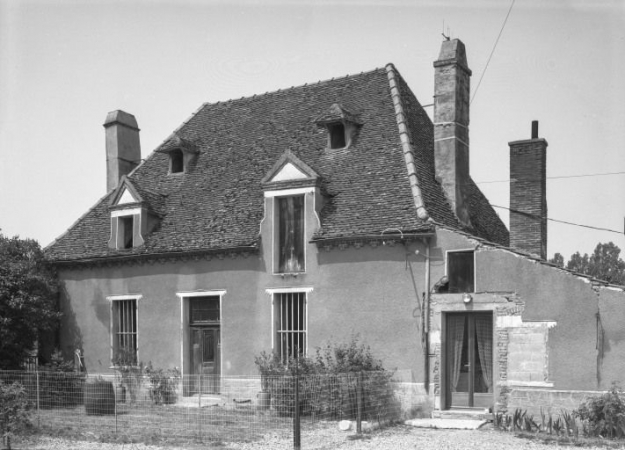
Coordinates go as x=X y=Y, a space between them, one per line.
x=528 y=194
x=451 y=124
x=123 y=150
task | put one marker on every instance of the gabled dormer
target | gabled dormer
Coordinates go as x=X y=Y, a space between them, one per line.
x=292 y=202
x=131 y=218
x=341 y=126
x=181 y=153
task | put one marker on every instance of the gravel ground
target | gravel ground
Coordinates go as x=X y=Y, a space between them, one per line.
x=399 y=437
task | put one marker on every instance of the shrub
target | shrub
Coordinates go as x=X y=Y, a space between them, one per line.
x=331 y=382
x=163 y=384
x=604 y=415
x=14 y=410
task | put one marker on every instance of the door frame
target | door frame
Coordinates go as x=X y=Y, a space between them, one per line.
x=185 y=360
x=445 y=354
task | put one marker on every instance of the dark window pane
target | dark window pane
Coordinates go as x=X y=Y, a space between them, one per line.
x=460 y=271
x=125 y=228
x=204 y=309
x=177 y=161
x=337 y=135
x=291 y=234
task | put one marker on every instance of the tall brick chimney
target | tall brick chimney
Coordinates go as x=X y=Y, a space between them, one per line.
x=123 y=150
x=451 y=124
x=528 y=194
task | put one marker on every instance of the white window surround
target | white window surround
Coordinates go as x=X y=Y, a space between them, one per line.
x=113 y=298
x=457 y=250
x=289 y=192
x=203 y=293
x=125 y=212
x=287 y=290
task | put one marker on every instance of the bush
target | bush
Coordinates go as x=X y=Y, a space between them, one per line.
x=14 y=410
x=330 y=382
x=604 y=415
x=163 y=384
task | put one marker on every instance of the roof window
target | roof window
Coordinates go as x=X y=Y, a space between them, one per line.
x=341 y=125
x=336 y=135
x=176 y=161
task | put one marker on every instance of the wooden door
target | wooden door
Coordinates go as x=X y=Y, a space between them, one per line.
x=469 y=360
x=205 y=359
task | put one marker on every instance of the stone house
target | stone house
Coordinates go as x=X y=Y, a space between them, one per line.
x=280 y=221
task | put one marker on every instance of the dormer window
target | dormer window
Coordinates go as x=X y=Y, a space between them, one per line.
x=336 y=135
x=290 y=218
x=181 y=153
x=341 y=126
x=176 y=161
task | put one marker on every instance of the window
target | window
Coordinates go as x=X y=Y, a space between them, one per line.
x=290 y=234
x=204 y=310
x=176 y=159
x=290 y=325
x=124 y=331
x=125 y=232
x=460 y=271
x=336 y=135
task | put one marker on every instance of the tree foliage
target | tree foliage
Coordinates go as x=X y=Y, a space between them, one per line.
x=28 y=304
x=604 y=263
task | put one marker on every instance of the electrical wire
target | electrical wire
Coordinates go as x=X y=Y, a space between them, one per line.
x=556 y=178
x=492 y=51
x=559 y=221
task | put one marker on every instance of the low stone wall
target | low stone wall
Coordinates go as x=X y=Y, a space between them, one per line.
x=551 y=401
x=240 y=388
x=414 y=400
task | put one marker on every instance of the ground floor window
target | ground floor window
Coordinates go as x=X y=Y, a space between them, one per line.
x=290 y=324
x=124 y=328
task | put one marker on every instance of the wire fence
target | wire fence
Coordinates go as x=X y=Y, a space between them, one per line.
x=203 y=408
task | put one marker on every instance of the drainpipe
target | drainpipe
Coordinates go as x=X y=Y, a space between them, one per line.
x=426 y=324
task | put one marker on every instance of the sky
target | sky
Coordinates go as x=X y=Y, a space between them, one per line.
x=65 y=64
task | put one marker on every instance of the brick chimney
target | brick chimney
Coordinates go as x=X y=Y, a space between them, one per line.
x=451 y=124
x=528 y=194
x=123 y=150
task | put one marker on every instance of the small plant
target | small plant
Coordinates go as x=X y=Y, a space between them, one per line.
x=163 y=384
x=570 y=424
x=14 y=410
x=604 y=415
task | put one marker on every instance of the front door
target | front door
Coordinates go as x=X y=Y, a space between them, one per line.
x=205 y=357
x=205 y=344
x=469 y=360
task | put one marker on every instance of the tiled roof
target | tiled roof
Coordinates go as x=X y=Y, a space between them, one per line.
x=218 y=203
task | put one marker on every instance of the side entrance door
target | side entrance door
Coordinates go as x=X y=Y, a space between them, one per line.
x=469 y=360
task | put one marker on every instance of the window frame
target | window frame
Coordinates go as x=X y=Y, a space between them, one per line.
x=335 y=129
x=474 y=271
x=112 y=316
x=272 y=196
x=134 y=214
x=177 y=158
x=275 y=316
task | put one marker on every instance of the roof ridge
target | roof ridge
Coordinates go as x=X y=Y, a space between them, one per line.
x=407 y=149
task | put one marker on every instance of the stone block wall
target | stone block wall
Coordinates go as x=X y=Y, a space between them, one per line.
x=551 y=401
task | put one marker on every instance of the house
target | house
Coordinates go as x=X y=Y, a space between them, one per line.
x=284 y=220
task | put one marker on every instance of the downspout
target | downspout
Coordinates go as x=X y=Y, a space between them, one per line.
x=426 y=321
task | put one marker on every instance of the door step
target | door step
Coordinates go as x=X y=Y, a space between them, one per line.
x=463 y=414
x=203 y=401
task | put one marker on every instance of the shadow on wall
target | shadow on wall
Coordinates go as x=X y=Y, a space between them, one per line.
x=70 y=334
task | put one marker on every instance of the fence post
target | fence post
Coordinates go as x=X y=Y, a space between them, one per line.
x=297 y=443
x=359 y=403
x=115 y=402
x=38 y=412
x=199 y=407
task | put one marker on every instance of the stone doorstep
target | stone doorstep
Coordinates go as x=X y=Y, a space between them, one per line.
x=478 y=414
x=206 y=400
x=448 y=424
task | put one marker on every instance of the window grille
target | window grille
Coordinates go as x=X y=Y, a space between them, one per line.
x=125 y=330
x=291 y=325
x=204 y=310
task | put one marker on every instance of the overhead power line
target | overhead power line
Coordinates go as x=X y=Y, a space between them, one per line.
x=559 y=221
x=558 y=177
x=492 y=51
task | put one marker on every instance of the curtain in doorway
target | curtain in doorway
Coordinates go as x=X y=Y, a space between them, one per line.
x=291 y=234
x=484 y=336
x=456 y=334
